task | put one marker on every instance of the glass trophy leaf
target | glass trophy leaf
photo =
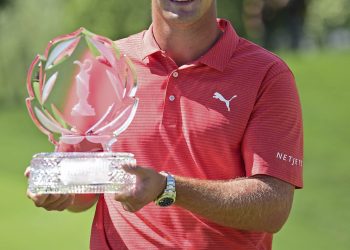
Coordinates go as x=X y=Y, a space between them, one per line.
x=106 y=53
x=29 y=104
x=117 y=87
x=36 y=88
x=92 y=47
x=131 y=77
x=98 y=139
x=58 y=116
x=103 y=120
x=129 y=117
x=48 y=123
x=121 y=116
x=116 y=51
x=72 y=139
x=62 y=49
x=33 y=78
x=48 y=87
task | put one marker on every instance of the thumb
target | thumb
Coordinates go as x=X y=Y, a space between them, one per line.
x=134 y=169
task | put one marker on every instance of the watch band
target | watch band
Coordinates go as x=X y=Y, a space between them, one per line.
x=168 y=196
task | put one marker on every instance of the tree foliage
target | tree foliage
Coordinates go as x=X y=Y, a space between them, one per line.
x=326 y=15
x=27 y=26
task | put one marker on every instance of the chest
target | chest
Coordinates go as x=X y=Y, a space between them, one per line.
x=191 y=117
x=196 y=102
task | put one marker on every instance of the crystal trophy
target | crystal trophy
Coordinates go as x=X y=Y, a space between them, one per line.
x=81 y=89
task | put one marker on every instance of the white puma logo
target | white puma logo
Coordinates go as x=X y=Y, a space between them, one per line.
x=219 y=96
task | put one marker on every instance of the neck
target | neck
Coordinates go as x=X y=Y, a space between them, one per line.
x=186 y=43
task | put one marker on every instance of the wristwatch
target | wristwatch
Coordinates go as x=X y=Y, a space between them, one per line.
x=168 y=196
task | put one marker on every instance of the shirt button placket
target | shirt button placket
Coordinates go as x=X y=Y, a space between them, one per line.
x=175 y=74
x=170 y=115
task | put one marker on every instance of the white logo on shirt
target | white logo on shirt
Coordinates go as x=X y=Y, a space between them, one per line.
x=290 y=159
x=219 y=96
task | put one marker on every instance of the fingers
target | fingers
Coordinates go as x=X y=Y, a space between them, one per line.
x=27 y=172
x=133 y=169
x=52 y=202
x=38 y=199
x=61 y=204
x=129 y=207
x=129 y=202
x=58 y=202
x=122 y=196
x=127 y=197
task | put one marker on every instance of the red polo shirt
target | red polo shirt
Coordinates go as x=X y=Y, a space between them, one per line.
x=234 y=112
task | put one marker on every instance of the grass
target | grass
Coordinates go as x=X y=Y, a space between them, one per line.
x=320 y=216
x=23 y=226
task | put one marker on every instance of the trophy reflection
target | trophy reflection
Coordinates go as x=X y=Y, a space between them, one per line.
x=82 y=88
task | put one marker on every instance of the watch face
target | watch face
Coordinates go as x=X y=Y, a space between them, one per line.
x=166 y=202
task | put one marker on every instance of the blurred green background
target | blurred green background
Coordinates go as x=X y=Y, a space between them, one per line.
x=312 y=36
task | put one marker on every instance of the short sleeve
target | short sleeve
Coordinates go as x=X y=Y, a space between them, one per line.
x=273 y=140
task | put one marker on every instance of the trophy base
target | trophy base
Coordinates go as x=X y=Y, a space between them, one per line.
x=80 y=172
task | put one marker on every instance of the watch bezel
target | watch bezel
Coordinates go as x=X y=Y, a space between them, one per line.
x=165 y=201
x=168 y=197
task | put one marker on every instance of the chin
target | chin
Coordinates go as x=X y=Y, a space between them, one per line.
x=183 y=11
x=181 y=18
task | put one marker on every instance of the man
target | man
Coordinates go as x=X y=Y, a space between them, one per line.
x=222 y=117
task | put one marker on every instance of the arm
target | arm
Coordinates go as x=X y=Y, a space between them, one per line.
x=83 y=202
x=260 y=203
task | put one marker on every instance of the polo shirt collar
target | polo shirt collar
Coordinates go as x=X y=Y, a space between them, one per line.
x=217 y=57
x=220 y=54
x=149 y=44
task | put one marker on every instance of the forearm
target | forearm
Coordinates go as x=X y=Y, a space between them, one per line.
x=83 y=202
x=255 y=204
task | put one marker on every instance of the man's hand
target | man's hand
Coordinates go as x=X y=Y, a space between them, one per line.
x=50 y=202
x=149 y=185
x=60 y=202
